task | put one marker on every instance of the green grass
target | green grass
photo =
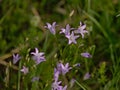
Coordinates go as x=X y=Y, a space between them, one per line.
x=22 y=29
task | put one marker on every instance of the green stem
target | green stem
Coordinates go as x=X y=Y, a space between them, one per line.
x=86 y=65
x=46 y=40
x=89 y=5
x=80 y=85
x=112 y=56
x=19 y=75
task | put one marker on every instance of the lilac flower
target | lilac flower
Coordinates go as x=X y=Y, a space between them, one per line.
x=24 y=70
x=59 y=67
x=51 y=27
x=86 y=76
x=35 y=79
x=56 y=86
x=38 y=57
x=81 y=30
x=64 y=88
x=66 y=30
x=86 y=55
x=63 y=69
x=16 y=58
x=72 y=81
x=56 y=74
x=72 y=38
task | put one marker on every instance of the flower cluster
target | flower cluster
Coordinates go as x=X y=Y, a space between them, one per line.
x=70 y=33
x=61 y=69
x=38 y=57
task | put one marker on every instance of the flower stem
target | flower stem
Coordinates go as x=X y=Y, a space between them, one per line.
x=19 y=75
x=80 y=85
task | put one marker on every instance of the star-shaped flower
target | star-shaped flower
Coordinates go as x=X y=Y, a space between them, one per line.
x=63 y=69
x=81 y=30
x=72 y=38
x=38 y=57
x=56 y=86
x=24 y=70
x=66 y=30
x=16 y=58
x=51 y=27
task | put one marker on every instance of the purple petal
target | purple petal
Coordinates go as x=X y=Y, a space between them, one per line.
x=35 y=79
x=86 y=55
x=24 y=70
x=86 y=76
x=16 y=58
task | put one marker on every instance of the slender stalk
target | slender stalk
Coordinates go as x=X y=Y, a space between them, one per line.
x=112 y=56
x=80 y=85
x=19 y=75
x=46 y=41
x=88 y=5
x=86 y=65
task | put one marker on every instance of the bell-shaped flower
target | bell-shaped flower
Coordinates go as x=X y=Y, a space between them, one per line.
x=81 y=30
x=56 y=74
x=16 y=58
x=63 y=69
x=38 y=56
x=86 y=76
x=86 y=55
x=56 y=86
x=51 y=27
x=66 y=30
x=24 y=70
x=72 y=38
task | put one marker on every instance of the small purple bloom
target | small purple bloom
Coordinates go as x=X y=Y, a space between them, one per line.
x=63 y=68
x=38 y=57
x=56 y=86
x=64 y=88
x=72 y=38
x=72 y=81
x=35 y=79
x=56 y=74
x=16 y=58
x=86 y=76
x=86 y=55
x=51 y=27
x=81 y=30
x=24 y=70
x=66 y=30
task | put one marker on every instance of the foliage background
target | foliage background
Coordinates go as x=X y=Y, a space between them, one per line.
x=22 y=28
